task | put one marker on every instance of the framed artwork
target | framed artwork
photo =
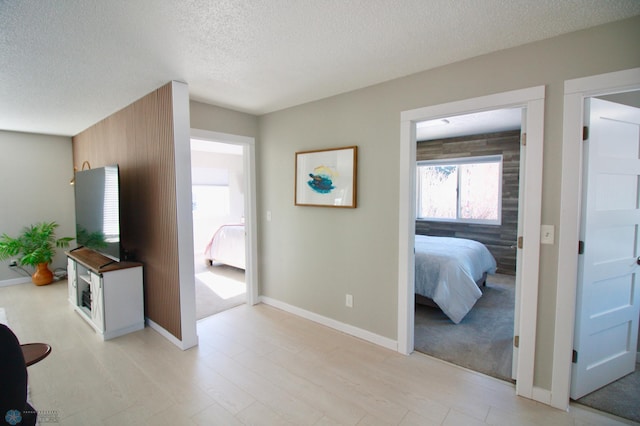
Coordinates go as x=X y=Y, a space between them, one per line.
x=326 y=177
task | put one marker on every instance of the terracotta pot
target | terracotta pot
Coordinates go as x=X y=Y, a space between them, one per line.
x=43 y=275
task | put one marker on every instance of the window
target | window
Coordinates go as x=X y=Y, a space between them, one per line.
x=210 y=200
x=460 y=190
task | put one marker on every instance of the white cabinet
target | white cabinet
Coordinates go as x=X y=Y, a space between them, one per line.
x=106 y=294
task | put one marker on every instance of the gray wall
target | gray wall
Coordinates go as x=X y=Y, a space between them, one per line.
x=218 y=119
x=310 y=257
x=34 y=173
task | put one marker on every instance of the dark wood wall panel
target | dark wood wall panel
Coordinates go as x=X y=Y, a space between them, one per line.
x=499 y=239
x=139 y=138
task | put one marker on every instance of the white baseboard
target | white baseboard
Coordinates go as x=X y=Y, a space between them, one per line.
x=170 y=337
x=331 y=323
x=541 y=395
x=121 y=332
x=14 y=281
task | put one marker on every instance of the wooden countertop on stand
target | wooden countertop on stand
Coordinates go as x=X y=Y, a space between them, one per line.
x=98 y=262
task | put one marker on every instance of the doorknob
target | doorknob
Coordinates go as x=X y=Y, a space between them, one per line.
x=638 y=260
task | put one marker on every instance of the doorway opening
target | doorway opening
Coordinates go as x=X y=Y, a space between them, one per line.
x=218 y=207
x=577 y=91
x=605 y=373
x=531 y=100
x=467 y=217
x=223 y=208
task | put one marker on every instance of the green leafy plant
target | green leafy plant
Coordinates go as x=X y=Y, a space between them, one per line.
x=36 y=244
x=94 y=240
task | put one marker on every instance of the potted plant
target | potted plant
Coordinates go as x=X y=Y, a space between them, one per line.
x=35 y=246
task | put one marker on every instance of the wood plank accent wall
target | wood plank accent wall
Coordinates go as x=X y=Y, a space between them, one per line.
x=140 y=139
x=498 y=239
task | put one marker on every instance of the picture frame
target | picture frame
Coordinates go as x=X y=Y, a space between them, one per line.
x=326 y=177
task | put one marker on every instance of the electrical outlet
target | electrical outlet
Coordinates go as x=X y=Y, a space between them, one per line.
x=349 y=301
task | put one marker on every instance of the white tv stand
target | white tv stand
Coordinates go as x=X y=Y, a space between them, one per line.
x=107 y=294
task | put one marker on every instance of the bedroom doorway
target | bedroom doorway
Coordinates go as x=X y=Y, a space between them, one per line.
x=531 y=101
x=620 y=87
x=220 y=202
x=467 y=198
x=606 y=369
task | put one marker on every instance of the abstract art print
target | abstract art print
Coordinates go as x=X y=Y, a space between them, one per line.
x=326 y=177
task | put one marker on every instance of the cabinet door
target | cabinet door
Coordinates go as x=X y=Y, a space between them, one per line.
x=97 y=301
x=72 y=282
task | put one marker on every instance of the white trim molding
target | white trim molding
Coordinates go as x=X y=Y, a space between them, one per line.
x=170 y=337
x=533 y=100
x=575 y=92
x=184 y=215
x=331 y=323
x=14 y=281
x=541 y=395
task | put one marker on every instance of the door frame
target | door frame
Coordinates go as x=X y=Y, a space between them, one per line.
x=249 y=171
x=575 y=92
x=533 y=100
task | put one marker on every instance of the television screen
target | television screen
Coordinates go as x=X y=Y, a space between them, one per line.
x=97 y=193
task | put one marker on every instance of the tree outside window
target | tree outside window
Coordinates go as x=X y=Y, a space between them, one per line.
x=460 y=190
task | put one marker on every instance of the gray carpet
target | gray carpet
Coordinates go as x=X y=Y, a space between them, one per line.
x=218 y=288
x=621 y=398
x=482 y=341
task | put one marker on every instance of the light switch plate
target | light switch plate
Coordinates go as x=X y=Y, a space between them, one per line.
x=349 y=301
x=547 y=234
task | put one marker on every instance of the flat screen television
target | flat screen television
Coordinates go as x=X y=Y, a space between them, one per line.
x=97 y=196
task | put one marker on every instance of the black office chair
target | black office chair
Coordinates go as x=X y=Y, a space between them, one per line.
x=14 y=408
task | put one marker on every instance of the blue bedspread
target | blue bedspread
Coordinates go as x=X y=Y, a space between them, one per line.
x=447 y=270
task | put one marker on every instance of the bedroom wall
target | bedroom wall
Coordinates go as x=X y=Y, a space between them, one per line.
x=35 y=171
x=311 y=257
x=233 y=164
x=498 y=238
x=209 y=223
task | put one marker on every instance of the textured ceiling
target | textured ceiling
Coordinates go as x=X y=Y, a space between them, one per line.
x=65 y=65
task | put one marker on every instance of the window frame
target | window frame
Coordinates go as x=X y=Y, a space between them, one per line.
x=458 y=162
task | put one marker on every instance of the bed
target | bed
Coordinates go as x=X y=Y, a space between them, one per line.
x=227 y=246
x=448 y=272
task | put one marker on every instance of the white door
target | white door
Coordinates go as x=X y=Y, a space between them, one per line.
x=608 y=296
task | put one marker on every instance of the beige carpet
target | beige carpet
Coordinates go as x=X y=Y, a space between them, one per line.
x=218 y=288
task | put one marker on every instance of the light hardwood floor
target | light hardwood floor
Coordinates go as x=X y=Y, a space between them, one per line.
x=254 y=365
